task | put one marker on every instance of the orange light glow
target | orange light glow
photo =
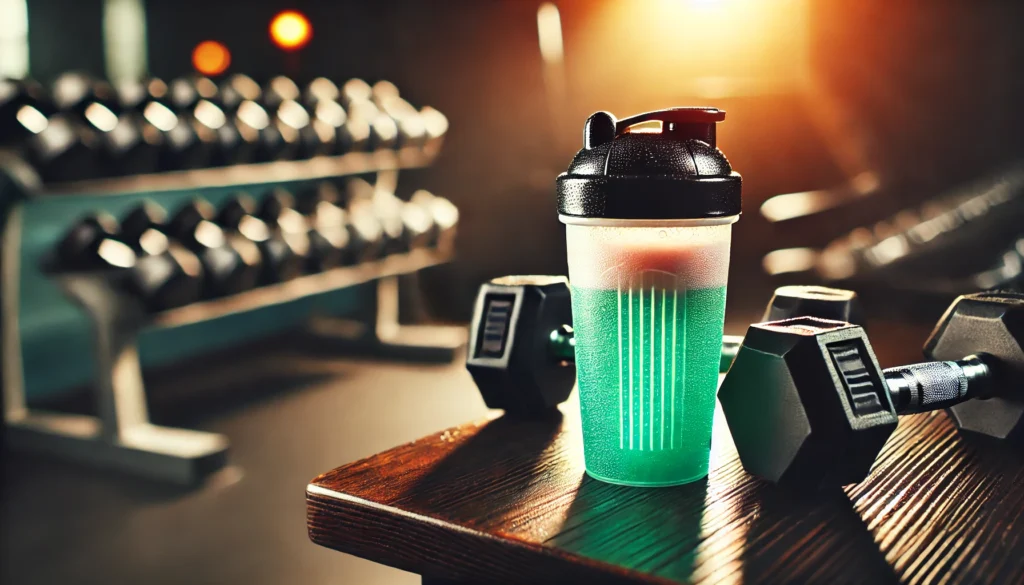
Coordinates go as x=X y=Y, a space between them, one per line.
x=211 y=58
x=290 y=30
x=707 y=49
x=549 y=31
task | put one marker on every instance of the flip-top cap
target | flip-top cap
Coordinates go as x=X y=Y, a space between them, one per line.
x=626 y=171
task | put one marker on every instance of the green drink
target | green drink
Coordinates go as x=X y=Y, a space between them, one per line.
x=647 y=374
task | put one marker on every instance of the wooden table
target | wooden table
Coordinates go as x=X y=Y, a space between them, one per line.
x=506 y=501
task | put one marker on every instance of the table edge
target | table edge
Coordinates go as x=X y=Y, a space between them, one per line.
x=507 y=560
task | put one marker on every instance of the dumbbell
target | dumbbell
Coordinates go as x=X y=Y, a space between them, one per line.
x=241 y=98
x=280 y=98
x=436 y=125
x=131 y=147
x=197 y=100
x=330 y=239
x=412 y=130
x=377 y=215
x=160 y=281
x=187 y=143
x=808 y=405
x=357 y=97
x=75 y=92
x=277 y=209
x=185 y=92
x=167 y=274
x=92 y=244
x=127 y=144
x=230 y=265
x=319 y=90
x=366 y=236
x=20 y=98
x=60 y=147
x=418 y=228
x=278 y=259
x=321 y=98
x=407 y=226
x=445 y=218
x=522 y=350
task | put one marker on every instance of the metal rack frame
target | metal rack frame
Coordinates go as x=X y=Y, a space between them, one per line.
x=120 y=436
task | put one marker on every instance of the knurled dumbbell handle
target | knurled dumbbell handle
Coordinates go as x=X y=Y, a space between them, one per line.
x=933 y=385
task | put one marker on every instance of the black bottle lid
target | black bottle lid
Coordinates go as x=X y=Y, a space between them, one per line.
x=627 y=172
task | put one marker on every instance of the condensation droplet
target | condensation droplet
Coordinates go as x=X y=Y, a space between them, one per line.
x=663 y=234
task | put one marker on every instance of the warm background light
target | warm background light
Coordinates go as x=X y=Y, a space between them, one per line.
x=696 y=48
x=211 y=58
x=549 y=30
x=290 y=30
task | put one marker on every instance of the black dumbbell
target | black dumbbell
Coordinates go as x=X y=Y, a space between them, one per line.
x=435 y=124
x=134 y=95
x=357 y=97
x=75 y=92
x=330 y=239
x=60 y=147
x=230 y=265
x=166 y=274
x=279 y=260
x=445 y=218
x=277 y=209
x=92 y=244
x=370 y=235
x=808 y=405
x=412 y=130
x=24 y=108
x=127 y=143
x=95 y=244
x=418 y=229
x=319 y=90
x=281 y=98
x=242 y=98
x=365 y=234
x=132 y=147
x=261 y=137
x=236 y=89
x=522 y=350
x=184 y=93
x=187 y=143
x=322 y=99
x=404 y=227
x=198 y=101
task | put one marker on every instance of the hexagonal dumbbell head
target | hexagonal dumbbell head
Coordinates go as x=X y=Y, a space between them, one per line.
x=987 y=323
x=509 y=346
x=822 y=302
x=806 y=403
x=92 y=243
x=445 y=218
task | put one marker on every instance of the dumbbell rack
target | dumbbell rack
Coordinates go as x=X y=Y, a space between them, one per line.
x=120 y=435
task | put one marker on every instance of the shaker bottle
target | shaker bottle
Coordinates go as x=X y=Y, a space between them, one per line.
x=648 y=214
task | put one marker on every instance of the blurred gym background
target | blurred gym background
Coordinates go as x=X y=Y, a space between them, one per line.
x=880 y=145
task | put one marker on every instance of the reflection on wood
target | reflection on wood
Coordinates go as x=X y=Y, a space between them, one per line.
x=507 y=501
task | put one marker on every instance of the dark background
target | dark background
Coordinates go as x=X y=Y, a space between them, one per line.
x=923 y=94
x=918 y=95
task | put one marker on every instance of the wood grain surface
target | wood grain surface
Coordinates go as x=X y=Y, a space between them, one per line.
x=508 y=501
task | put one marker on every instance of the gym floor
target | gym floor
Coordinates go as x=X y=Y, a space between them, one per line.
x=289 y=417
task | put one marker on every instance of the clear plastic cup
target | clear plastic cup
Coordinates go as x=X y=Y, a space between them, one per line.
x=648 y=304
